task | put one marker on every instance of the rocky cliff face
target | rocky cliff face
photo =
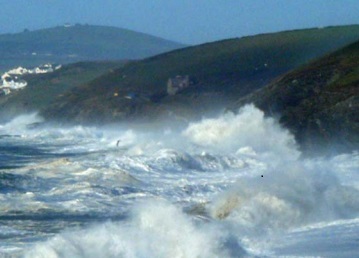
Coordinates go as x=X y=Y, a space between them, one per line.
x=319 y=102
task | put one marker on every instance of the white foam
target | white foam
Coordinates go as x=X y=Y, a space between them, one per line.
x=288 y=196
x=214 y=164
x=157 y=229
x=249 y=128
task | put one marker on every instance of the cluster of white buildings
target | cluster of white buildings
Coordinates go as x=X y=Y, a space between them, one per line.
x=11 y=80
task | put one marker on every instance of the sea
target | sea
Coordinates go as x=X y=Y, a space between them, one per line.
x=232 y=185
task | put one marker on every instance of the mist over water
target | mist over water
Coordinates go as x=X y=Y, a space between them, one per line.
x=232 y=186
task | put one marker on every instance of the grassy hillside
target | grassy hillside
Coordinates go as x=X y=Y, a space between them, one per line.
x=78 y=43
x=318 y=102
x=44 y=88
x=221 y=72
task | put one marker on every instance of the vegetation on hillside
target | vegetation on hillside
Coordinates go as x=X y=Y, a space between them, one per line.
x=220 y=72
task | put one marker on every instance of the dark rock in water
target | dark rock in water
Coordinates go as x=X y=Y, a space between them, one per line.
x=34 y=125
x=319 y=102
x=4 y=136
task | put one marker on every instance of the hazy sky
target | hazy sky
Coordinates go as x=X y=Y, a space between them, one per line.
x=186 y=21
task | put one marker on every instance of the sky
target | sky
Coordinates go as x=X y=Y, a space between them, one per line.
x=185 y=21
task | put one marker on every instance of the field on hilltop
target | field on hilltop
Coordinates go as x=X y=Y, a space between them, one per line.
x=69 y=44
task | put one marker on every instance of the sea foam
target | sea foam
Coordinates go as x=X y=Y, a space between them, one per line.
x=214 y=189
x=287 y=196
x=156 y=229
x=232 y=132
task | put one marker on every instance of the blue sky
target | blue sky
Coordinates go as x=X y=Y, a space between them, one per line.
x=186 y=21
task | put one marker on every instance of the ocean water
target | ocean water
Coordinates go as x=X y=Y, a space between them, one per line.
x=230 y=186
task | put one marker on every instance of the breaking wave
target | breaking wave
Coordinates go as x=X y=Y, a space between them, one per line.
x=156 y=229
x=216 y=188
x=249 y=128
x=288 y=196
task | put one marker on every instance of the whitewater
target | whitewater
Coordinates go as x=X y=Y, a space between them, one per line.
x=235 y=185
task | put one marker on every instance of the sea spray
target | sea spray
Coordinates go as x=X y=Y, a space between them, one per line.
x=231 y=132
x=19 y=124
x=193 y=192
x=155 y=229
x=288 y=196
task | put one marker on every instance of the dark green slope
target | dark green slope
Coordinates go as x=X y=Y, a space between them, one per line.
x=221 y=72
x=319 y=102
x=77 y=43
x=44 y=88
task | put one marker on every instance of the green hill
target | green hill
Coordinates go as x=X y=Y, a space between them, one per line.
x=64 y=44
x=219 y=72
x=318 y=102
x=42 y=89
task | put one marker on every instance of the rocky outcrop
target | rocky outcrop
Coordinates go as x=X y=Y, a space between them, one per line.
x=319 y=102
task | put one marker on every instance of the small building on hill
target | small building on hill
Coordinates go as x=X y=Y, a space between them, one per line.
x=177 y=84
